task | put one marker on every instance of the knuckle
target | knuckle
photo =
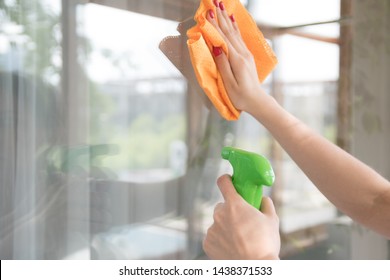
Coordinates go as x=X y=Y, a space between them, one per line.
x=217 y=216
x=241 y=60
x=231 y=33
x=248 y=56
x=232 y=210
x=217 y=212
x=274 y=219
x=224 y=29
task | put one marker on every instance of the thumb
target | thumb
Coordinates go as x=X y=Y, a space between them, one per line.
x=226 y=187
x=267 y=207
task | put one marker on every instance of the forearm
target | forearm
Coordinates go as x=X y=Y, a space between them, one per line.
x=350 y=185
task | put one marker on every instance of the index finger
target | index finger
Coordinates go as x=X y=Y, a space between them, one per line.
x=226 y=187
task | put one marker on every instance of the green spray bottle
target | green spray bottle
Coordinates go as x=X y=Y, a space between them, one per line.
x=250 y=173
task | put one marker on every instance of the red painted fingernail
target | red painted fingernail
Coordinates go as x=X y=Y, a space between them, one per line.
x=232 y=18
x=221 y=6
x=216 y=3
x=217 y=51
x=211 y=13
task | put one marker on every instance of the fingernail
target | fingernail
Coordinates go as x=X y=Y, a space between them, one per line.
x=221 y=6
x=211 y=13
x=232 y=18
x=217 y=51
x=216 y=3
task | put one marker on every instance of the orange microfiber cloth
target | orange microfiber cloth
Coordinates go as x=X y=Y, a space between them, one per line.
x=203 y=36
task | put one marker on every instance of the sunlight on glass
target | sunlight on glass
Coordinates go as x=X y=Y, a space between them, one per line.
x=138 y=100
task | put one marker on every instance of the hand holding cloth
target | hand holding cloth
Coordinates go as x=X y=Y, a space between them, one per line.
x=203 y=36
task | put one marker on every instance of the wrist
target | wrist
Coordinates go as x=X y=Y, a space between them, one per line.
x=261 y=105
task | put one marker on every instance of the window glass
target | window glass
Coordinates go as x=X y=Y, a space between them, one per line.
x=138 y=96
x=110 y=150
x=305 y=82
x=288 y=13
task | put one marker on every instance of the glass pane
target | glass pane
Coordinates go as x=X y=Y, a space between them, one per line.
x=110 y=150
x=138 y=97
x=300 y=60
x=305 y=82
x=137 y=102
x=291 y=13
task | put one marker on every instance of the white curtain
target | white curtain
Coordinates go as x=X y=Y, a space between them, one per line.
x=41 y=185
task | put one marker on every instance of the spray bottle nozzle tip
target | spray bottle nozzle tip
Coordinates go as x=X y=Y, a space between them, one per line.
x=225 y=153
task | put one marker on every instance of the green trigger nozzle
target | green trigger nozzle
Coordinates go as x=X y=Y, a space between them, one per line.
x=250 y=173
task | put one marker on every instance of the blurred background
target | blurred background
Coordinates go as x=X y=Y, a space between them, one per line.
x=110 y=150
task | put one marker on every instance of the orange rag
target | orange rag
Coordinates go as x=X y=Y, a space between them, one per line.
x=203 y=36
